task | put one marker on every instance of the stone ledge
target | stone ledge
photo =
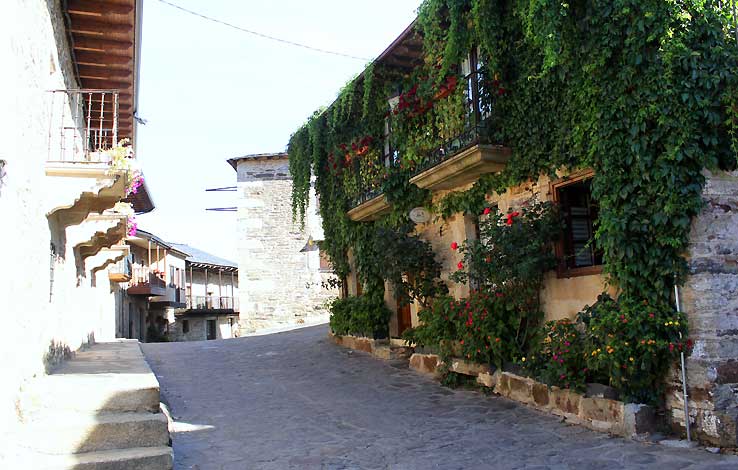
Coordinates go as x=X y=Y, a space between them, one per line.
x=599 y=414
x=382 y=349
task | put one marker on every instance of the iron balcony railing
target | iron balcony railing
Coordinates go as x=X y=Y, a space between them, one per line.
x=83 y=125
x=476 y=131
x=202 y=302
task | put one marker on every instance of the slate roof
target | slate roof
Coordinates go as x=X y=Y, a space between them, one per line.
x=201 y=257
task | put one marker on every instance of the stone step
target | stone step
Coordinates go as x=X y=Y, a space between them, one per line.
x=141 y=458
x=92 y=393
x=108 y=377
x=69 y=433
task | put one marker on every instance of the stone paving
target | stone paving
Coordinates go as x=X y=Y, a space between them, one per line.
x=296 y=400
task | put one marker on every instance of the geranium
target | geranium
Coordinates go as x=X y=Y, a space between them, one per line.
x=454 y=246
x=510 y=217
x=460 y=265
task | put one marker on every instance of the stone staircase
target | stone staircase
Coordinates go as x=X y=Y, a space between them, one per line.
x=99 y=410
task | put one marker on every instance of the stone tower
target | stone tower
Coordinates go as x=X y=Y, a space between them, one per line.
x=281 y=275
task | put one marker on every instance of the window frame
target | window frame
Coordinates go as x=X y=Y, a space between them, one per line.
x=562 y=270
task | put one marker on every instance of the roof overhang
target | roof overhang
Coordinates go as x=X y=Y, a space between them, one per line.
x=257 y=156
x=105 y=39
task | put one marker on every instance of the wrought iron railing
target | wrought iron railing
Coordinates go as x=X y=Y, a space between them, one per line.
x=209 y=302
x=83 y=125
x=475 y=131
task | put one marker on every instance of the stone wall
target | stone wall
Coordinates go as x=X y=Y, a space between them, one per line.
x=278 y=284
x=52 y=304
x=226 y=327
x=710 y=300
x=561 y=297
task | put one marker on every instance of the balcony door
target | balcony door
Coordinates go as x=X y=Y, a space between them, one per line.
x=211 y=329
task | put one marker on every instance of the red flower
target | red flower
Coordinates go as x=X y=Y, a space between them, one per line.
x=487 y=210
x=454 y=246
x=671 y=347
x=462 y=341
x=510 y=217
x=650 y=315
x=460 y=265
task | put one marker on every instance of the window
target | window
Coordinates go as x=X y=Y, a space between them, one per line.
x=185 y=326
x=172 y=277
x=577 y=251
x=325 y=262
x=472 y=70
x=390 y=156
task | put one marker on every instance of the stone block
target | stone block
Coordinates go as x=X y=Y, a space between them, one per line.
x=602 y=409
x=540 y=394
x=487 y=379
x=461 y=366
x=364 y=344
x=424 y=363
x=520 y=388
x=503 y=385
x=382 y=351
x=564 y=402
x=638 y=419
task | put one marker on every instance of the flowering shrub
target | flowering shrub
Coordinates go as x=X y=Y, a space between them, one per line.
x=514 y=250
x=362 y=315
x=560 y=358
x=486 y=326
x=132 y=226
x=136 y=182
x=632 y=345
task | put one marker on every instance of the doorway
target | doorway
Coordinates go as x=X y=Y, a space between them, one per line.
x=404 y=319
x=211 y=326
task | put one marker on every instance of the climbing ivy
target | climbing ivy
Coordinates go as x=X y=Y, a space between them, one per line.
x=642 y=91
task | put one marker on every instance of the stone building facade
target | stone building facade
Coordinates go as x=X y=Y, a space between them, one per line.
x=280 y=276
x=62 y=224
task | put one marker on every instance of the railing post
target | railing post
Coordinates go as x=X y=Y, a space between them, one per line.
x=115 y=119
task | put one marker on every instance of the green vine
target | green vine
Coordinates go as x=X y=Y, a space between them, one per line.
x=641 y=91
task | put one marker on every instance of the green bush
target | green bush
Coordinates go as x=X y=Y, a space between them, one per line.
x=360 y=316
x=632 y=345
x=560 y=357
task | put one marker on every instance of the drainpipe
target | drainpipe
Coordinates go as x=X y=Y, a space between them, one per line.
x=684 y=373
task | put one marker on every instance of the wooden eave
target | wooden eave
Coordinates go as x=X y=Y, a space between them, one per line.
x=103 y=39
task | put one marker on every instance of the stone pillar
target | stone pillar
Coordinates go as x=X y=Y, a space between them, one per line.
x=710 y=300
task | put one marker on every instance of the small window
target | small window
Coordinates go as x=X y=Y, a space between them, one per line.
x=580 y=212
x=185 y=326
x=325 y=262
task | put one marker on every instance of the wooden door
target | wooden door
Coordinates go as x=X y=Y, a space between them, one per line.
x=404 y=319
x=211 y=329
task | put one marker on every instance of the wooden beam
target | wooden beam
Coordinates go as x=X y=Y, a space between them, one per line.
x=87 y=8
x=103 y=73
x=98 y=28
x=83 y=43
x=99 y=59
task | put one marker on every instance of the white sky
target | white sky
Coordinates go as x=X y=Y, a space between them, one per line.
x=210 y=93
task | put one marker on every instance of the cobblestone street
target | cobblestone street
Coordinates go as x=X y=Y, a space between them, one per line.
x=296 y=400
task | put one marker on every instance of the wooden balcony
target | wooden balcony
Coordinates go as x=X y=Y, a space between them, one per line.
x=211 y=304
x=120 y=271
x=147 y=282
